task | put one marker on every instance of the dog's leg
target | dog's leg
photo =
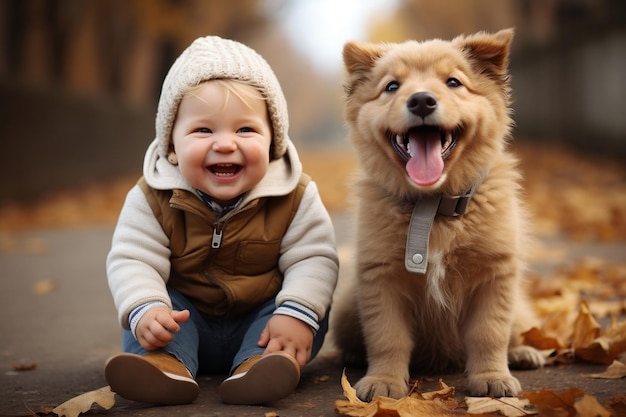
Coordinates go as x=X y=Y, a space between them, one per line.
x=387 y=323
x=486 y=337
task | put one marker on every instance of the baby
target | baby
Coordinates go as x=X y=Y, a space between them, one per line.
x=223 y=259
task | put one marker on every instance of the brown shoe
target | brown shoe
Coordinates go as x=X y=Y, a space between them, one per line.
x=157 y=378
x=261 y=379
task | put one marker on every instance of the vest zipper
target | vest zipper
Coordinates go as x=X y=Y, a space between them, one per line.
x=217 y=235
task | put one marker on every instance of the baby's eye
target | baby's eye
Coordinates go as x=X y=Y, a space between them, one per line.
x=453 y=82
x=204 y=130
x=392 y=86
x=245 y=130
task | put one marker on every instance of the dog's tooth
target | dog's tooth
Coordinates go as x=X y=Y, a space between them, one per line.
x=408 y=149
x=399 y=140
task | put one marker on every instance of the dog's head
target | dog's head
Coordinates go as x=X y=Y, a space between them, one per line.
x=429 y=116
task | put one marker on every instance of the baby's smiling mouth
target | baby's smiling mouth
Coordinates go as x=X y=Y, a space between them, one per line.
x=225 y=170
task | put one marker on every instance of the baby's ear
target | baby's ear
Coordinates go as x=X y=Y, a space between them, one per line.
x=172 y=158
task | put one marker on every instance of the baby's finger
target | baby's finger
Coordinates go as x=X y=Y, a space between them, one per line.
x=180 y=316
x=168 y=323
x=302 y=356
x=149 y=342
x=161 y=333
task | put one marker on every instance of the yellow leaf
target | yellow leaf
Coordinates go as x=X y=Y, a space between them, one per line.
x=44 y=286
x=348 y=391
x=616 y=370
x=535 y=338
x=104 y=397
x=510 y=407
x=551 y=403
x=589 y=406
x=389 y=407
x=617 y=405
x=606 y=348
x=586 y=328
x=443 y=393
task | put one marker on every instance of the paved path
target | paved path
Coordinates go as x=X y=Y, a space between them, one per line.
x=57 y=312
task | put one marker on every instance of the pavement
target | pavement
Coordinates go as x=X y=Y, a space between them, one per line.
x=58 y=317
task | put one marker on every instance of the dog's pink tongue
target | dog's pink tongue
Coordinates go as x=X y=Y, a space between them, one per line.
x=426 y=164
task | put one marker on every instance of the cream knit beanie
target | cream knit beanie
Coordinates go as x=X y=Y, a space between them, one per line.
x=212 y=57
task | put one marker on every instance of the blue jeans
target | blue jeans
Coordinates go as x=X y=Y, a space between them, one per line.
x=217 y=345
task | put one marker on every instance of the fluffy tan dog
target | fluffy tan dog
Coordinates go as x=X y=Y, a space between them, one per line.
x=429 y=122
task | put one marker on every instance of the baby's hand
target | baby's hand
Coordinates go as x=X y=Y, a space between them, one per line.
x=158 y=325
x=289 y=335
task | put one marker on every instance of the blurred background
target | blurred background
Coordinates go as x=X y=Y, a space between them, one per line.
x=80 y=80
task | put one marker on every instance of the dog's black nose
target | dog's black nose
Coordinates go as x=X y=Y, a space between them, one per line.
x=422 y=103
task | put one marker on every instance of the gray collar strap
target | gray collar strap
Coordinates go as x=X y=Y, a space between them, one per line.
x=424 y=212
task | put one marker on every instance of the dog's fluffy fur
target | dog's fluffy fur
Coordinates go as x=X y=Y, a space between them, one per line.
x=468 y=309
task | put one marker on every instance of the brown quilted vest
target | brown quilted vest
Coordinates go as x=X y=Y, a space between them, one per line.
x=241 y=272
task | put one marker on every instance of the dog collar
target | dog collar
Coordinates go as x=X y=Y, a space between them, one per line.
x=422 y=217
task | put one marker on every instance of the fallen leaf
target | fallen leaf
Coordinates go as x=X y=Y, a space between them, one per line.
x=271 y=414
x=606 y=348
x=551 y=403
x=444 y=392
x=408 y=406
x=616 y=370
x=321 y=379
x=44 y=286
x=617 y=405
x=348 y=391
x=586 y=328
x=30 y=366
x=589 y=406
x=104 y=397
x=510 y=407
x=535 y=338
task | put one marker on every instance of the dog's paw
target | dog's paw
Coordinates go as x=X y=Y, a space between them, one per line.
x=525 y=357
x=493 y=384
x=370 y=387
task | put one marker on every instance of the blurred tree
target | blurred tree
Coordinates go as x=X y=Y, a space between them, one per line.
x=93 y=45
x=425 y=19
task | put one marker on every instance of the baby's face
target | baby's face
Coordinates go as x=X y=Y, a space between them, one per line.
x=222 y=143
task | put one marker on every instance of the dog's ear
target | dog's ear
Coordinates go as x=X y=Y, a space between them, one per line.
x=359 y=59
x=489 y=53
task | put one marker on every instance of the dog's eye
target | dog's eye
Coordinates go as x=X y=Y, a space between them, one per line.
x=392 y=86
x=453 y=82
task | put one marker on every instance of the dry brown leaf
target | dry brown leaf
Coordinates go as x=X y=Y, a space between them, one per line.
x=551 y=403
x=409 y=406
x=104 y=397
x=606 y=348
x=616 y=370
x=25 y=366
x=44 y=286
x=444 y=393
x=535 y=338
x=510 y=407
x=588 y=406
x=586 y=328
x=271 y=414
x=617 y=405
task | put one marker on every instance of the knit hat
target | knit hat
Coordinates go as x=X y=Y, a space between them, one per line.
x=210 y=58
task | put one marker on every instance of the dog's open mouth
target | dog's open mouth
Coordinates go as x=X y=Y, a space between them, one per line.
x=424 y=149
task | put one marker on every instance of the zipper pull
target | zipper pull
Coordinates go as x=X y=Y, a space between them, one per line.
x=217 y=236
